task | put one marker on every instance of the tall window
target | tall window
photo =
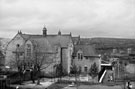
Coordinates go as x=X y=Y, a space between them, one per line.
x=28 y=50
x=85 y=69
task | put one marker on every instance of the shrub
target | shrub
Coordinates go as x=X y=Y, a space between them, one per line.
x=93 y=71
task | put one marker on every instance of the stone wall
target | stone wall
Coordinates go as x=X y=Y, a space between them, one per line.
x=11 y=47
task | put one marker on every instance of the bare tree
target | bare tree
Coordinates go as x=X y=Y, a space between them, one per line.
x=41 y=62
x=59 y=71
x=35 y=63
x=17 y=63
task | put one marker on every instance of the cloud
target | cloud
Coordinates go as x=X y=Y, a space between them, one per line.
x=88 y=18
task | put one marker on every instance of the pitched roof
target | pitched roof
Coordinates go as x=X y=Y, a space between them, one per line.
x=87 y=50
x=42 y=44
x=49 y=42
x=27 y=36
x=61 y=40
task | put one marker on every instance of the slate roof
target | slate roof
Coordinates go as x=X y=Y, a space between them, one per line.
x=87 y=50
x=27 y=36
x=42 y=44
x=61 y=40
x=49 y=42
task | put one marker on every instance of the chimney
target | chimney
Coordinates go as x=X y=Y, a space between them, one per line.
x=44 y=31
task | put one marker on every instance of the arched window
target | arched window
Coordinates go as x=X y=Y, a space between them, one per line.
x=28 y=50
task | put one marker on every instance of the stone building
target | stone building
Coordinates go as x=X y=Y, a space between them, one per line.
x=84 y=56
x=51 y=50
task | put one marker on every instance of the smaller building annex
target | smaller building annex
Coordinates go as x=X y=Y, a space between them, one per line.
x=84 y=56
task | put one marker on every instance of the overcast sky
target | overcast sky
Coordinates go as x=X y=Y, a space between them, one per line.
x=88 y=18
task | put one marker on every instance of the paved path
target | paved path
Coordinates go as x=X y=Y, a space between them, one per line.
x=30 y=85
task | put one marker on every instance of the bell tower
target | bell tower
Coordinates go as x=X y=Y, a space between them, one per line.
x=59 y=33
x=44 y=31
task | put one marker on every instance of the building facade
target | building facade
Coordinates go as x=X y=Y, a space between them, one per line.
x=84 y=57
x=48 y=49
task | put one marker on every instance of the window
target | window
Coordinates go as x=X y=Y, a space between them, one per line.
x=80 y=69
x=17 y=45
x=80 y=56
x=21 y=54
x=85 y=69
x=28 y=50
x=28 y=45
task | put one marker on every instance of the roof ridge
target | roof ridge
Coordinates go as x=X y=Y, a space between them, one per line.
x=32 y=34
x=47 y=35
